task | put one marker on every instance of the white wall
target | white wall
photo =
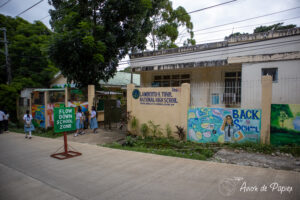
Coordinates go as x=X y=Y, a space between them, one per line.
x=279 y=45
x=285 y=91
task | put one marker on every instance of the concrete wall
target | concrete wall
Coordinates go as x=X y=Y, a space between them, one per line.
x=204 y=82
x=284 y=91
x=161 y=113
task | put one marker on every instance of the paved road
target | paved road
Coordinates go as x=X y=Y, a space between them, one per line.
x=28 y=172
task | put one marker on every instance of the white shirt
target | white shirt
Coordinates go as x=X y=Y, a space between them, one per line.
x=93 y=114
x=78 y=115
x=6 y=117
x=26 y=118
x=2 y=115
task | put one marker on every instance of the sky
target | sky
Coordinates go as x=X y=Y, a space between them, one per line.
x=206 y=19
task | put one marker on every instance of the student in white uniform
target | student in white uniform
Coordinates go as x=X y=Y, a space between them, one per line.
x=28 y=126
x=94 y=123
x=78 y=121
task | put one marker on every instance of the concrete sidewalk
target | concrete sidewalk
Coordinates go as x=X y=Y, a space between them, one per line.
x=28 y=172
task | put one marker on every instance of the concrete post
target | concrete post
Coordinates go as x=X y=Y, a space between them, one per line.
x=130 y=88
x=266 y=101
x=66 y=96
x=46 y=94
x=185 y=103
x=91 y=96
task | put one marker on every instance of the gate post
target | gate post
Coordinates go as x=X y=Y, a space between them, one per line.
x=266 y=101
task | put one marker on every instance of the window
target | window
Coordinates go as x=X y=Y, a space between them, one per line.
x=214 y=98
x=232 y=94
x=170 y=80
x=270 y=71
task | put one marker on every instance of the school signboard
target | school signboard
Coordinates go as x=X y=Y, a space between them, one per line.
x=64 y=119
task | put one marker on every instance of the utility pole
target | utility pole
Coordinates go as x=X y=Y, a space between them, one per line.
x=7 y=64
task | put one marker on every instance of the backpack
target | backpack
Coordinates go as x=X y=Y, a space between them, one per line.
x=27 y=122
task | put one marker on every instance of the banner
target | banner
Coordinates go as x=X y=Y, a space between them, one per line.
x=223 y=125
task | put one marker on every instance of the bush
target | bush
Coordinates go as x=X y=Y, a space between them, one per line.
x=144 y=130
x=168 y=131
x=180 y=132
x=155 y=129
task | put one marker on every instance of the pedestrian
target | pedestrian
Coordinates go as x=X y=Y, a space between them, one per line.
x=28 y=126
x=82 y=123
x=94 y=123
x=6 y=117
x=78 y=121
x=2 y=114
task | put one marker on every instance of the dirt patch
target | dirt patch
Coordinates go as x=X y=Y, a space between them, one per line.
x=103 y=136
x=276 y=160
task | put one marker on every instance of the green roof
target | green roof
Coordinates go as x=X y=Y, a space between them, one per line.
x=122 y=79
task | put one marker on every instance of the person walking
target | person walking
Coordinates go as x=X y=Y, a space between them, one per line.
x=5 y=121
x=82 y=123
x=78 y=121
x=94 y=123
x=2 y=114
x=28 y=126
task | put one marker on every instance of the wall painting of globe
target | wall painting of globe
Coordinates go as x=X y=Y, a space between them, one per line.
x=285 y=124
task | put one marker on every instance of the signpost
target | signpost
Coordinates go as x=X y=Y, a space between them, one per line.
x=64 y=120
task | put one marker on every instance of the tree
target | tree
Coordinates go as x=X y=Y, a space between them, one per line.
x=261 y=29
x=127 y=69
x=29 y=62
x=273 y=27
x=166 y=23
x=92 y=36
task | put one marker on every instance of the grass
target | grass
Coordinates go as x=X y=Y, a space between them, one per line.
x=198 y=151
x=48 y=133
x=165 y=146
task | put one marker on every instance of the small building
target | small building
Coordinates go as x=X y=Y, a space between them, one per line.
x=41 y=101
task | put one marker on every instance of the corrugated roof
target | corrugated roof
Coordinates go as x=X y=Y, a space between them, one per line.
x=122 y=78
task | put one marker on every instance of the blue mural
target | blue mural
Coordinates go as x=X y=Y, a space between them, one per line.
x=223 y=125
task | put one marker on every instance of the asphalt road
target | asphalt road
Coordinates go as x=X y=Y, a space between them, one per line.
x=28 y=172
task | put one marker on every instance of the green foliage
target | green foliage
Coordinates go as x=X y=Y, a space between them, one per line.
x=262 y=29
x=166 y=23
x=134 y=124
x=168 y=147
x=144 y=130
x=155 y=129
x=29 y=62
x=168 y=131
x=278 y=26
x=129 y=141
x=92 y=36
x=276 y=110
x=180 y=132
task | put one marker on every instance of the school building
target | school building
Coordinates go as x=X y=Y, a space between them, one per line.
x=219 y=77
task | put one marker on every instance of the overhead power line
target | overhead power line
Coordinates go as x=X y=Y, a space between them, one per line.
x=4 y=3
x=243 y=20
x=221 y=30
x=29 y=8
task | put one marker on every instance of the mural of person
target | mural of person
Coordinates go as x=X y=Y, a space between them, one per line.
x=230 y=130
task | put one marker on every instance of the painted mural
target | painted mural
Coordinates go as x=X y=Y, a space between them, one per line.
x=285 y=124
x=83 y=105
x=38 y=115
x=50 y=116
x=223 y=125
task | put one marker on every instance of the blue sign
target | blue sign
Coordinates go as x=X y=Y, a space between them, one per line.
x=136 y=93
